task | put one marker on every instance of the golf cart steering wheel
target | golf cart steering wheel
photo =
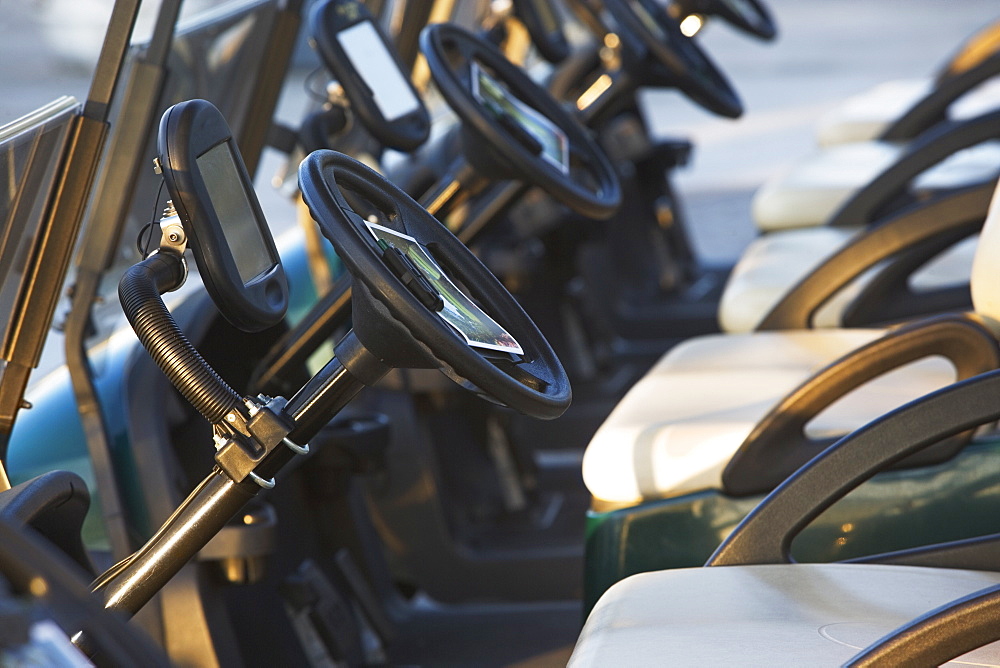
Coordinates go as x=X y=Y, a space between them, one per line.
x=542 y=21
x=395 y=318
x=678 y=60
x=504 y=150
x=750 y=16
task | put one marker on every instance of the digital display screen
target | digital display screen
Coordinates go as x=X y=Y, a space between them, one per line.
x=478 y=329
x=232 y=205
x=500 y=102
x=372 y=61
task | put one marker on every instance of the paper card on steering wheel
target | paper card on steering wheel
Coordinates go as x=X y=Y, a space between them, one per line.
x=476 y=327
x=495 y=97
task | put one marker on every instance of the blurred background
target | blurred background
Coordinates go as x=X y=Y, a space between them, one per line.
x=826 y=50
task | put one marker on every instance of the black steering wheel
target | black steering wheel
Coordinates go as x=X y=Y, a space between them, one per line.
x=394 y=321
x=750 y=16
x=497 y=145
x=544 y=25
x=677 y=59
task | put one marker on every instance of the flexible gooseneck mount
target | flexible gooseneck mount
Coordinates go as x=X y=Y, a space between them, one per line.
x=271 y=432
x=139 y=292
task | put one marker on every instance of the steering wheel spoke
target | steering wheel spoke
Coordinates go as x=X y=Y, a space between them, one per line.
x=521 y=371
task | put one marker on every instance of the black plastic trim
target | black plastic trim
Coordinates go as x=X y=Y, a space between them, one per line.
x=948 y=87
x=930 y=148
x=550 y=41
x=939 y=221
x=778 y=445
x=54 y=504
x=765 y=535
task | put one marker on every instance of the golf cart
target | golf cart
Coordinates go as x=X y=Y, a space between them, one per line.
x=298 y=575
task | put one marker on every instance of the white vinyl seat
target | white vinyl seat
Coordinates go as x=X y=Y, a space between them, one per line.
x=963 y=87
x=677 y=428
x=675 y=431
x=774 y=263
x=768 y=615
x=898 y=121
x=865 y=116
x=770 y=266
x=809 y=192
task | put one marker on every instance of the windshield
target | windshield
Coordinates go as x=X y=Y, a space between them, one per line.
x=30 y=150
x=219 y=55
x=216 y=57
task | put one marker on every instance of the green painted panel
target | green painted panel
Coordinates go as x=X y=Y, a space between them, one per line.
x=895 y=510
x=50 y=435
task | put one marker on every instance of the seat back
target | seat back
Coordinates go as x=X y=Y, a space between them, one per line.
x=985 y=282
x=977 y=61
x=54 y=504
x=981 y=51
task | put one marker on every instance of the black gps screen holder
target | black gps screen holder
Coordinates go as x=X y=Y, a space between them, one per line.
x=215 y=201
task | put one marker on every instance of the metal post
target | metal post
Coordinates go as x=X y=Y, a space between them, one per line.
x=133 y=582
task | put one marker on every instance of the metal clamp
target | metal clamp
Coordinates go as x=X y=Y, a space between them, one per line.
x=251 y=436
x=265 y=484
x=297 y=449
x=172 y=234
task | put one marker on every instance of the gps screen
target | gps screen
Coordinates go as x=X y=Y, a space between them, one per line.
x=232 y=205
x=501 y=102
x=477 y=328
x=373 y=62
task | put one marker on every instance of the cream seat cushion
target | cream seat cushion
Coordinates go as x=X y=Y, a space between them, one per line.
x=773 y=615
x=774 y=263
x=865 y=116
x=807 y=192
x=676 y=429
x=810 y=191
